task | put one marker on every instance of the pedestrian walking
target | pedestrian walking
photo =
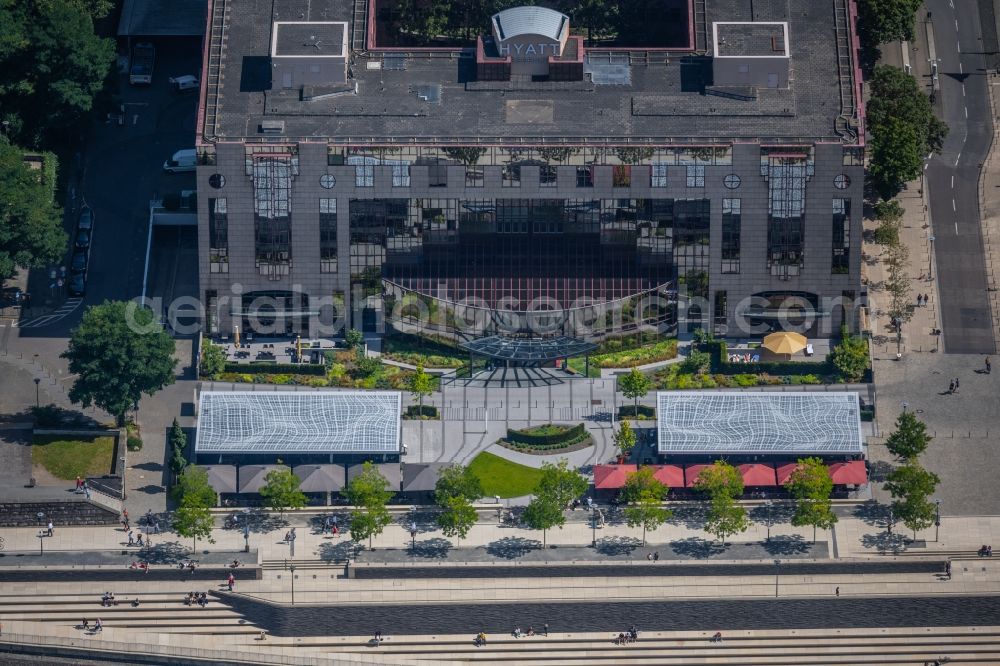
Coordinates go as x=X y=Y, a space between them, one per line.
x=956 y=384
x=545 y=629
x=98 y=626
x=951 y=386
x=138 y=540
x=79 y=484
x=837 y=591
x=131 y=539
x=230 y=582
x=51 y=532
x=156 y=527
x=989 y=367
x=86 y=490
x=656 y=555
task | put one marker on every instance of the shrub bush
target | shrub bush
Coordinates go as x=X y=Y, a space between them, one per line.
x=133 y=443
x=629 y=412
x=536 y=439
x=414 y=412
x=276 y=368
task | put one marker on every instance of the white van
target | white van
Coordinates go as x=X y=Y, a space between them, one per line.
x=182 y=161
x=185 y=83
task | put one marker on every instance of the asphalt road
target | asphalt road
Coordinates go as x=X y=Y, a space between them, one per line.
x=685 y=615
x=953 y=176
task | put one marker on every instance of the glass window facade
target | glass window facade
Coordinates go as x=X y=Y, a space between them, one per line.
x=731 y=223
x=272 y=183
x=786 y=177
x=218 y=236
x=401 y=175
x=474 y=177
x=364 y=175
x=511 y=175
x=658 y=175
x=548 y=176
x=841 y=260
x=327 y=235
x=695 y=175
x=585 y=176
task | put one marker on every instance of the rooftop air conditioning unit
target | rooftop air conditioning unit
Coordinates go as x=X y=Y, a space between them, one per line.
x=272 y=127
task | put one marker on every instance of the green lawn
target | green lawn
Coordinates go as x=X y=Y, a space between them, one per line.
x=504 y=478
x=416 y=351
x=69 y=458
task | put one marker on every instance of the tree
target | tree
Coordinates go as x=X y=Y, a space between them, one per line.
x=31 y=231
x=890 y=215
x=560 y=483
x=696 y=362
x=368 y=493
x=421 y=385
x=281 y=490
x=119 y=352
x=467 y=155
x=457 y=517
x=883 y=21
x=895 y=156
x=634 y=385
x=723 y=484
x=213 y=360
x=544 y=513
x=911 y=487
x=634 y=155
x=177 y=441
x=194 y=520
x=644 y=494
x=850 y=356
x=596 y=15
x=354 y=338
x=625 y=439
x=811 y=486
x=193 y=485
x=52 y=66
x=457 y=481
x=910 y=438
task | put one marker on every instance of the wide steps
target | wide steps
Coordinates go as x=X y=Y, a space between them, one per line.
x=283 y=565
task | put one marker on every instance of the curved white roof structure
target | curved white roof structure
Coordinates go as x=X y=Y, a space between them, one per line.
x=298 y=422
x=518 y=21
x=723 y=422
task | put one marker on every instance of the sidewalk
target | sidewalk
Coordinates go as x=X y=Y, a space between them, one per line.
x=989 y=209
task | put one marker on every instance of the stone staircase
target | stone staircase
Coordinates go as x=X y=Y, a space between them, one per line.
x=72 y=511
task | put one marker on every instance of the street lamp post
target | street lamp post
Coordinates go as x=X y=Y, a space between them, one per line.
x=246 y=530
x=937 y=519
x=930 y=259
x=37 y=401
x=768 y=504
x=41 y=542
x=413 y=536
x=292 y=570
x=593 y=525
x=777 y=571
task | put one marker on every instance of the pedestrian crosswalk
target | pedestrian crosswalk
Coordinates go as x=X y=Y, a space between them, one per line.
x=63 y=311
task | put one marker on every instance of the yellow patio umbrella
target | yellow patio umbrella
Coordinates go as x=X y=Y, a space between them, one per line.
x=236 y=335
x=785 y=342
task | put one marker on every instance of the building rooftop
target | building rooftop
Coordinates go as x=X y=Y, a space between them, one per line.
x=756 y=40
x=671 y=100
x=298 y=422
x=531 y=20
x=713 y=422
x=309 y=39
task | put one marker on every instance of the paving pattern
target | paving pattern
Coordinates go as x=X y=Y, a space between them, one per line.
x=729 y=614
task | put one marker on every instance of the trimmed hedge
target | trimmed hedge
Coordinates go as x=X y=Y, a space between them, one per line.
x=545 y=441
x=645 y=412
x=264 y=368
x=721 y=364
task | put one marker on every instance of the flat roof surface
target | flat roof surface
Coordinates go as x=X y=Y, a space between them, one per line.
x=312 y=39
x=528 y=350
x=659 y=104
x=298 y=422
x=750 y=39
x=164 y=18
x=717 y=422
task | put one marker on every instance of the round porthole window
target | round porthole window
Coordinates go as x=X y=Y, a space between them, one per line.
x=327 y=181
x=842 y=181
x=732 y=181
x=217 y=181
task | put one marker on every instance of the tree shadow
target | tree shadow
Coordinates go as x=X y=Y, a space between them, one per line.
x=791 y=544
x=697 y=548
x=880 y=470
x=618 y=545
x=884 y=542
x=424 y=520
x=436 y=548
x=338 y=550
x=510 y=548
x=872 y=513
x=149 y=466
x=151 y=489
x=778 y=512
x=692 y=515
x=169 y=552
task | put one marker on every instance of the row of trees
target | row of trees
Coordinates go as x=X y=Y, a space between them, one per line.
x=910 y=485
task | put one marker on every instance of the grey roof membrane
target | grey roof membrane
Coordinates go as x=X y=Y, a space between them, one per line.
x=658 y=103
x=530 y=20
x=759 y=39
x=719 y=422
x=298 y=422
x=309 y=39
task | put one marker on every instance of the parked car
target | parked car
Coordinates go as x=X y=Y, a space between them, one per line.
x=82 y=239
x=77 y=285
x=86 y=218
x=185 y=83
x=182 y=161
x=78 y=264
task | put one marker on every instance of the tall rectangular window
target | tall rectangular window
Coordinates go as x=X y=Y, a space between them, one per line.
x=720 y=309
x=272 y=184
x=731 y=222
x=695 y=175
x=621 y=175
x=364 y=175
x=841 y=259
x=474 y=177
x=547 y=176
x=437 y=175
x=658 y=175
x=327 y=235
x=400 y=175
x=585 y=176
x=511 y=175
x=218 y=236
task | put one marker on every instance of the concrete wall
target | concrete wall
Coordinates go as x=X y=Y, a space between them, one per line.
x=759 y=72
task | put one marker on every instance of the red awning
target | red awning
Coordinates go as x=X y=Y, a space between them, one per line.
x=757 y=474
x=852 y=472
x=785 y=472
x=671 y=475
x=691 y=473
x=611 y=476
